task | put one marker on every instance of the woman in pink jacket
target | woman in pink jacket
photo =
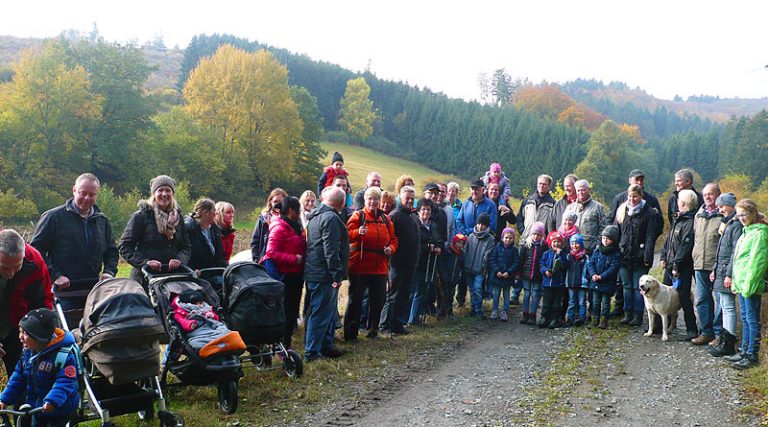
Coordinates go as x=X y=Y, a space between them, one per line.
x=286 y=247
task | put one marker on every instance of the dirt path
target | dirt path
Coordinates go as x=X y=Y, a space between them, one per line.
x=512 y=374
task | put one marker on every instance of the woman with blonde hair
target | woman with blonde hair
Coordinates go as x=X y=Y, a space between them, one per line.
x=307 y=202
x=261 y=230
x=155 y=234
x=225 y=219
x=750 y=263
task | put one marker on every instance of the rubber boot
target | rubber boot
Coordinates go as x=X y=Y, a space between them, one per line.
x=626 y=319
x=603 y=323
x=637 y=320
x=726 y=345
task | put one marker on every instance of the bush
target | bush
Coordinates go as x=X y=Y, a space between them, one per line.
x=13 y=207
x=337 y=137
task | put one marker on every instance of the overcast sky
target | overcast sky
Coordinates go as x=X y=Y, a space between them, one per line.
x=665 y=47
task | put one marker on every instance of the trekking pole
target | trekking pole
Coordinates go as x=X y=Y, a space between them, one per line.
x=426 y=272
x=434 y=268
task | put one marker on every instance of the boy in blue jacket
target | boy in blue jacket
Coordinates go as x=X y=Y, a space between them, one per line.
x=502 y=265
x=552 y=267
x=46 y=374
x=602 y=270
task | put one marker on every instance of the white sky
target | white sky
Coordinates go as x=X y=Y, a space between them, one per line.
x=665 y=47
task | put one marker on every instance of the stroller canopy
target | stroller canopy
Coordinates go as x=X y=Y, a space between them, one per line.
x=241 y=276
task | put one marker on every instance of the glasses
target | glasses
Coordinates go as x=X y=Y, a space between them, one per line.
x=742 y=215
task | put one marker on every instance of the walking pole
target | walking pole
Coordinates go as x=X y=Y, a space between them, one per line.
x=426 y=272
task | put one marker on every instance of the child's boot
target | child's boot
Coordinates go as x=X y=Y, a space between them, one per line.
x=524 y=320
x=603 y=323
x=595 y=322
x=503 y=316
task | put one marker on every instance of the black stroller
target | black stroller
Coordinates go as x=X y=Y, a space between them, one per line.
x=182 y=360
x=120 y=358
x=253 y=305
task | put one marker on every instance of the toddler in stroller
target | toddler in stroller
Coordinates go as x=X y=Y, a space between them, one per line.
x=204 y=332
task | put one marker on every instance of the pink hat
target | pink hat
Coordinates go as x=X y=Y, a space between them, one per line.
x=495 y=167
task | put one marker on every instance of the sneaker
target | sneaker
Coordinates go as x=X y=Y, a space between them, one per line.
x=494 y=315
x=735 y=357
x=748 y=361
x=503 y=316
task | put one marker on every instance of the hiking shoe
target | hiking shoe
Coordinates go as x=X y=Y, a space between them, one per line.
x=494 y=315
x=333 y=353
x=503 y=316
x=702 y=339
x=735 y=357
x=748 y=361
x=569 y=323
x=603 y=323
x=578 y=322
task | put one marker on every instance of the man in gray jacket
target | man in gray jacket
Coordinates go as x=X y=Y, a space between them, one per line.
x=325 y=267
x=706 y=229
x=590 y=215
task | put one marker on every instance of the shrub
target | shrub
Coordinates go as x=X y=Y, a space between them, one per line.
x=13 y=207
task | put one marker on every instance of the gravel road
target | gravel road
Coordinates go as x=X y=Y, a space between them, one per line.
x=512 y=374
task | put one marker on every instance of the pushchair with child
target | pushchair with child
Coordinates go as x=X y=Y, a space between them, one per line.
x=215 y=363
x=253 y=305
x=118 y=361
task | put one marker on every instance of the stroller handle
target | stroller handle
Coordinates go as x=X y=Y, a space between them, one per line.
x=164 y=271
x=24 y=411
x=211 y=271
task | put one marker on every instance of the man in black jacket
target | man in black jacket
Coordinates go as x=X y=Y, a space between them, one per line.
x=402 y=265
x=683 y=181
x=325 y=267
x=77 y=243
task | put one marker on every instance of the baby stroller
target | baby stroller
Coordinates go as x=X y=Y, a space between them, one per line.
x=120 y=354
x=217 y=363
x=253 y=305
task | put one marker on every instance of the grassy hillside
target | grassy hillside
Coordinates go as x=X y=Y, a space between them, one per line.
x=359 y=161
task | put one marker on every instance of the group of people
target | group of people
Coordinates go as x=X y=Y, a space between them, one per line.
x=407 y=255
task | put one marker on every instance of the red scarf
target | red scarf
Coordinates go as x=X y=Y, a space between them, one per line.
x=578 y=254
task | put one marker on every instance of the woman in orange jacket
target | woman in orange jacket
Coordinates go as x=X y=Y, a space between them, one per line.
x=372 y=240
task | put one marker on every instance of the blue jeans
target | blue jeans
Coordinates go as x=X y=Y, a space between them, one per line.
x=705 y=303
x=320 y=323
x=475 y=285
x=630 y=279
x=725 y=311
x=750 y=323
x=577 y=304
x=499 y=291
x=531 y=296
x=601 y=304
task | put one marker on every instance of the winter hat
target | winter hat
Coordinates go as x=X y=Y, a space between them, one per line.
x=191 y=296
x=554 y=235
x=477 y=184
x=611 y=232
x=577 y=238
x=161 y=181
x=508 y=230
x=337 y=157
x=457 y=238
x=573 y=216
x=484 y=219
x=39 y=324
x=495 y=167
x=431 y=187
x=726 y=199
x=636 y=173
x=537 y=227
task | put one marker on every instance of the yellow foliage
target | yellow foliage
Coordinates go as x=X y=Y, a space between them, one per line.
x=357 y=113
x=633 y=131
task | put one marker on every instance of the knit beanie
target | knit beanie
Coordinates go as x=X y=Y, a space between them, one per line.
x=495 y=167
x=484 y=219
x=577 y=238
x=726 y=199
x=508 y=230
x=554 y=235
x=538 y=228
x=458 y=238
x=160 y=181
x=39 y=324
x=337 y=157
x=572 y=216
x=611 y=232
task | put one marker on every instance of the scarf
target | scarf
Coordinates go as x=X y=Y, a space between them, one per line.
x=569 y=232
x=634 y=210
x=167 y=221
x=578 y=254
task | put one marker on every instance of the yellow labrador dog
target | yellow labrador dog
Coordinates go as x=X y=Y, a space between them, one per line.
x=662 y=300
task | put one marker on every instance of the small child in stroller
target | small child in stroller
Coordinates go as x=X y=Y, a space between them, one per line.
x=200 y=324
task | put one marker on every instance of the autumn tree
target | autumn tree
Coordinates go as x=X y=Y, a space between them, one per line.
x=244 y=99
x=356 y=112
x=546 y=99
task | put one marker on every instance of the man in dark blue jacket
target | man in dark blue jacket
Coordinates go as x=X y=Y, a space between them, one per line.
x=475 y=205
x=325 y=267
x=77 y=243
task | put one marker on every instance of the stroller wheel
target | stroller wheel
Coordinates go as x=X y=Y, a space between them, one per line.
x=293 y=364
x=228 y=396
x=169 y=419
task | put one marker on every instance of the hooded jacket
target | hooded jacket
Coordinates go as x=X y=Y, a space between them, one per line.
x=750 y=260
x=723 y=266
x=202 y=256
x=36 y=379
x=283 y=244
x=706 y=237
x=605 y=262
x=479 y=244
x=576 y=272
x=367 y=251
x=73 y=246
x=141 y=242
x=327 y=246
x=678 y=247
x=502 y=259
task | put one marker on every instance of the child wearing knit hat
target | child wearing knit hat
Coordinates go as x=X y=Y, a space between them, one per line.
x=330 y=172
x=602 y=271
x=451 y=266
x=530 y=254
x=479 y=243
x=552 y=266
x=576 y=281
x=502 y=265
